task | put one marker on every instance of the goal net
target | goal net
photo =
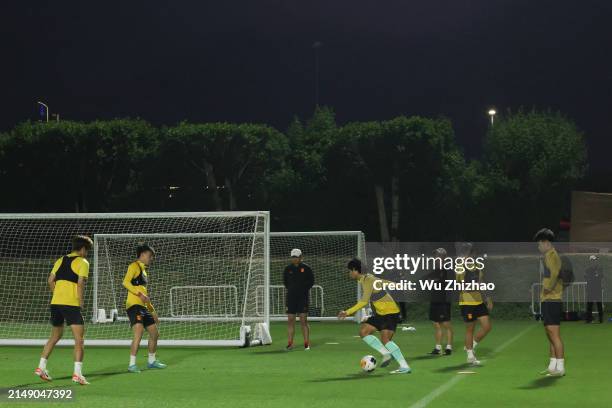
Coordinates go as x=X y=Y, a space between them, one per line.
x=208 y=281
x=327 y=253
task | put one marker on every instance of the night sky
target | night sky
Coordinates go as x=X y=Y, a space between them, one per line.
x=253 y=61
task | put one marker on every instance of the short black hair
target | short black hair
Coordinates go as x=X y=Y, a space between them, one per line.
x=81 y=241
x=143 y=247
x=545 y=234
x=354 y=263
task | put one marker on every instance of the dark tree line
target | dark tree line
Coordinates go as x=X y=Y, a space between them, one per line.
x=400 y=179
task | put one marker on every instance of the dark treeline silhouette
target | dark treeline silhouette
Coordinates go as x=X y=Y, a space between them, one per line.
x=400 y=179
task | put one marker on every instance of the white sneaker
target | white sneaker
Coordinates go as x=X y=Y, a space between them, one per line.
x=473 y=361
x=43 y=374
x=79 y=379
x=556 y=373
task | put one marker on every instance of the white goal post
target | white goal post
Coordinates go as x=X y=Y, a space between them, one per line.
x=327 y=253
x=208 y=270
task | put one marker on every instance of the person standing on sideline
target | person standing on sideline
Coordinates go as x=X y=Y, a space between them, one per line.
x=551 y=296
x=594 y=277
x=298 y=278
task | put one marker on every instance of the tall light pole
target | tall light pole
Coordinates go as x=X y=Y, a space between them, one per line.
x=42 y=104
x=492 y=114
x=315 y=46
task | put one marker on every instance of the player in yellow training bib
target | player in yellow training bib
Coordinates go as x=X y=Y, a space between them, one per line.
x=473 y=306
x=551 y=298
x=139 y=308
x=67 y=283
x=384 y=318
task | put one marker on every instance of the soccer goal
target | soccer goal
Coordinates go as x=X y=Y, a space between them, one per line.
x=327 y=253
x=204 y=282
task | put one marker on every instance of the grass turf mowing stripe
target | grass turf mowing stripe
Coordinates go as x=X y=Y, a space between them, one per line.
x=423 y=402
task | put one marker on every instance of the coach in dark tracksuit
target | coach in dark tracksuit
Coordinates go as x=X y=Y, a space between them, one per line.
x=298 y=279
x=594 y=276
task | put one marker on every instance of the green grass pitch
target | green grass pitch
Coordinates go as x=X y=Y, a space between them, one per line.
x=329 y=374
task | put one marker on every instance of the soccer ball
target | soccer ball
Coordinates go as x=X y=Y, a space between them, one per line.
x=368 y=363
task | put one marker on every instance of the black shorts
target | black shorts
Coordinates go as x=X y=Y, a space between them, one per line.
x=140 y=314
x=471 y=313
x=384 y=322
x=296 y=304
x=439 y=312
x=551 y=313
x=69 y=314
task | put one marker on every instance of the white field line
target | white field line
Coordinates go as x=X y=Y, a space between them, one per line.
x=423 y=402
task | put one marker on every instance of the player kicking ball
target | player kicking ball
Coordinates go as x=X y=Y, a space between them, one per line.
x=384 y=318
x=67 y=283
x=140 y=309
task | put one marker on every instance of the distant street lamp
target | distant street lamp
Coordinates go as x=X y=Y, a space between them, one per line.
x=492 y=114
x=42 y=104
